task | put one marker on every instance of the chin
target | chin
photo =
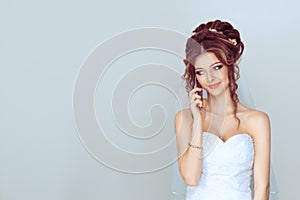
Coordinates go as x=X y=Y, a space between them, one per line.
x=214 y=93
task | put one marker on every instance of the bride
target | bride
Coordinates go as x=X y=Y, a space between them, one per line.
x=221 y=143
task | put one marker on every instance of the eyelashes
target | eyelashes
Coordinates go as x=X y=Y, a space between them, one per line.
x=217 y=67
x=199 y=72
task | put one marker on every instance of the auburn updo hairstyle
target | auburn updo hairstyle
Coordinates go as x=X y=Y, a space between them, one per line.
x=222 y=39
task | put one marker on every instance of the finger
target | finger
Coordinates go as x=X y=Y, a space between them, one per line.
x=198 y=96
x=193 y=91
x=204 y=101
x=197 y=89
x=198 y=101
x=195 y=83
x=195 y=99
x=201 y=104
x=194 y=95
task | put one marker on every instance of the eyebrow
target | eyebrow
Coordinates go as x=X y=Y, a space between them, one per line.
x=208 y=66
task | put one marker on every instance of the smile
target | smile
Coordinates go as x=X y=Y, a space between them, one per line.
x=214 y=85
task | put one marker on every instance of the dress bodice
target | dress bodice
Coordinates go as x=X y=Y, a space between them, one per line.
x=227 y=168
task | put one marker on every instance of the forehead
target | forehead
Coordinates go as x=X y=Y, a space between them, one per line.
x=205 y=60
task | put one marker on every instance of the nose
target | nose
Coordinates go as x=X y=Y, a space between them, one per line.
x=210 y=77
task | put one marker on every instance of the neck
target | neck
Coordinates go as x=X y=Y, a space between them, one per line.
x=220 y=104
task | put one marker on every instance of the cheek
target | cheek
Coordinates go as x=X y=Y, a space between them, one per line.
x=203 y=84
x=201 y=81
x=225 y=74
x=225 y=78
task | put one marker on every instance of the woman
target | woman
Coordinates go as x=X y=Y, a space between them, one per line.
x=220 y=141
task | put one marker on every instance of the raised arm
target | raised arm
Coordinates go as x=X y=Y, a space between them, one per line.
x=261 y=132
x=189 y=159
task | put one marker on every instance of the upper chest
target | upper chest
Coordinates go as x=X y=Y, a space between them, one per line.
x=226 y=126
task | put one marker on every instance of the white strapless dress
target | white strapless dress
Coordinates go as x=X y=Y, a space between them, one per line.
x=227 y=168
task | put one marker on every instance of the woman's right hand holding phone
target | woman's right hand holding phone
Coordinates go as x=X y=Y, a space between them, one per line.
x=197 y=104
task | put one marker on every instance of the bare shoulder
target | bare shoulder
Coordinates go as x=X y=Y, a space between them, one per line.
x=252 y=116
x=183 y=118
x=257 y=117
x=184 y=114
x=258 y=123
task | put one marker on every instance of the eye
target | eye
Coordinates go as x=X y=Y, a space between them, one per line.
x=199 y=72
x=217 y=67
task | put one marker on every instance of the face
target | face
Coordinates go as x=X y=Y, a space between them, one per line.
x=211 y=73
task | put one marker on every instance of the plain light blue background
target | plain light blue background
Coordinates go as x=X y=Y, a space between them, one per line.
x=42 y=45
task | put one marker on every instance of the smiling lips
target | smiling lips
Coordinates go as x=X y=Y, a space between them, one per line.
x=214 y=85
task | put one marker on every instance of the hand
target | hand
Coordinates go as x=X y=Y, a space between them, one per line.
x=197 y=104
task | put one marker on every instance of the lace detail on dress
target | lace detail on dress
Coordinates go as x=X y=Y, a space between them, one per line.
x=226 y=169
